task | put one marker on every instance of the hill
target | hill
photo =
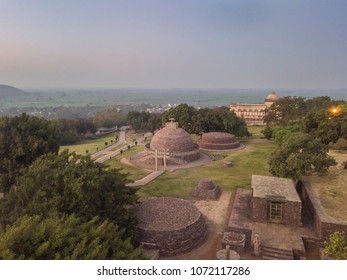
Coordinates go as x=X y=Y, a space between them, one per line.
x=6 y=91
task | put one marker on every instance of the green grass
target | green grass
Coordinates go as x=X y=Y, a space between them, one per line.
x=133 y=173
x=248 y=161
x=255 y=130
x=91 y=145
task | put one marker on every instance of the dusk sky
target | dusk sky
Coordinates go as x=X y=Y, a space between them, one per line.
x=173 y=43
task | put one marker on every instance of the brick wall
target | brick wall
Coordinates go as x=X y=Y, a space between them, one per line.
x=324 y=224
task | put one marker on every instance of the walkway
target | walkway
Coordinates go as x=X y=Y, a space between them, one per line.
x=107 y=150
x=145 y=180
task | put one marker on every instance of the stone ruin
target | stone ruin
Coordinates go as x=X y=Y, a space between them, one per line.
x=218 y=141
x=170 y=225
x=171 y=145
x=206 y=189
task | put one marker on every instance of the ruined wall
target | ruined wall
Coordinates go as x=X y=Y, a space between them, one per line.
x=324 y=224
x=174 y=242
x=291 y=211
x=259 y=210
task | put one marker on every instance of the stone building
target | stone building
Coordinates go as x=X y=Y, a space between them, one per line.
x=206 y=189
x=275 y=200
x=253 y=113
x=171 y=145
x=170 y=225
x=218 y=141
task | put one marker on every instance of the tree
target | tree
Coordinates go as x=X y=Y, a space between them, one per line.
x=300 y=155
x=336 y=245
x=207 y=120
x=286 y=110
x=268 y=132
x=341 y=144
x=144 y=121
x=109 y=118
x=68 y=184
x=22 y=140
x=67 y=238
x=183 y=114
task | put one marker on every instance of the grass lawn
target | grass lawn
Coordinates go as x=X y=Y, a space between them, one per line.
x=331 y=188
x=91 y=145
x=248 y=161
x=132 y=172
x=255 y=130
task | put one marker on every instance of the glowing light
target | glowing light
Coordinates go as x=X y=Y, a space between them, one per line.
x=334 y=110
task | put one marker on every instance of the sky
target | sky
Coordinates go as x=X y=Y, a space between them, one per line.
x=174 y=43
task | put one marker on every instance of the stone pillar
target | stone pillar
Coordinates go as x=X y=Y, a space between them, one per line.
x=164 y=159
x=156 y=159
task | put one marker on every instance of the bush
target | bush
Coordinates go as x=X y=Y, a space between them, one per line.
x=341 y=144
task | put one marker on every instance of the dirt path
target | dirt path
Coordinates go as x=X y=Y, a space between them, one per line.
x=216 y=215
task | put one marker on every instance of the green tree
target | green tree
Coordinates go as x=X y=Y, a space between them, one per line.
x=110 y=117
x=300 y=155
x=285 y=111
x=23 y=139
x=67 y=238
x=336 y=245
x=69 y=184
x=183 y=114
x=268 y=132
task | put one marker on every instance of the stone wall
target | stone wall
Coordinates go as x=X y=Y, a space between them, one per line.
x=259 y=210
x=324 y=224
x=218 y=146
x=291 y=211
x=174 y=242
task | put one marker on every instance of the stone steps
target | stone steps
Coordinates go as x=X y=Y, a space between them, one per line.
x=270 y=253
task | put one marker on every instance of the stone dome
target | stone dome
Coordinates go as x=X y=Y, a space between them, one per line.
x=218 y=141
x=206 y=189
x=272 y=97
x=172 y=138
x=170 y=225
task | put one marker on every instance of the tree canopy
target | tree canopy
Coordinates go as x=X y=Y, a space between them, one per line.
x=300 y=154
x=66 y=238
x=68 y=184
x=23 y=139
x=199 y=121
x=144 y=121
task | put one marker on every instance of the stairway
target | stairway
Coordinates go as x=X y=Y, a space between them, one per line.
x=270 y=253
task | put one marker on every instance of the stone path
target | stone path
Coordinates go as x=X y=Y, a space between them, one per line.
x=109 y=149
x=145 y=180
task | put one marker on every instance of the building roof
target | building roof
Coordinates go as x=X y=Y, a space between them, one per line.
x=273 y=96
x=274 y=187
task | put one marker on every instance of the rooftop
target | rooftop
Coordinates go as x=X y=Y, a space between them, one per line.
x=267 y=186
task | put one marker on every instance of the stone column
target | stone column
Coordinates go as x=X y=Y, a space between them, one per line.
x=156 y=159
x=164 y=159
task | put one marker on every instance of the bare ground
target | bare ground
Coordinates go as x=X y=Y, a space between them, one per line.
x=332 y=188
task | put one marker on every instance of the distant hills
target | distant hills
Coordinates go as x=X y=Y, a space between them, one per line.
x=6 y=91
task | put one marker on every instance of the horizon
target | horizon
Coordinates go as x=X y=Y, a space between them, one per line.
x=191 y=44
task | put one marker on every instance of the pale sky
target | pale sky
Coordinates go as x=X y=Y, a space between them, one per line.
x=173 y=43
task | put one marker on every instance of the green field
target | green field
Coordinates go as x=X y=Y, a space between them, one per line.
x=248 y=161
x=90 y=145
x=133 y=173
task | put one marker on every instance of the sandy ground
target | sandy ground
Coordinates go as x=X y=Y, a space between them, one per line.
x=216 y=214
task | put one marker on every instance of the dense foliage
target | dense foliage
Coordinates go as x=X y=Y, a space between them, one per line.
x=298 y=155
x=67 y=184
x=68 y=207
x=22 y=140
x=71 y=130
x=110 y=117
x=67 y=238
x=144 y=121
x=199 y=121
x=336 y=245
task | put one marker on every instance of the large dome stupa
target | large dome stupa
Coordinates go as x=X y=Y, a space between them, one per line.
x=218 y=141
x=171 y=145
x=170 y=225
